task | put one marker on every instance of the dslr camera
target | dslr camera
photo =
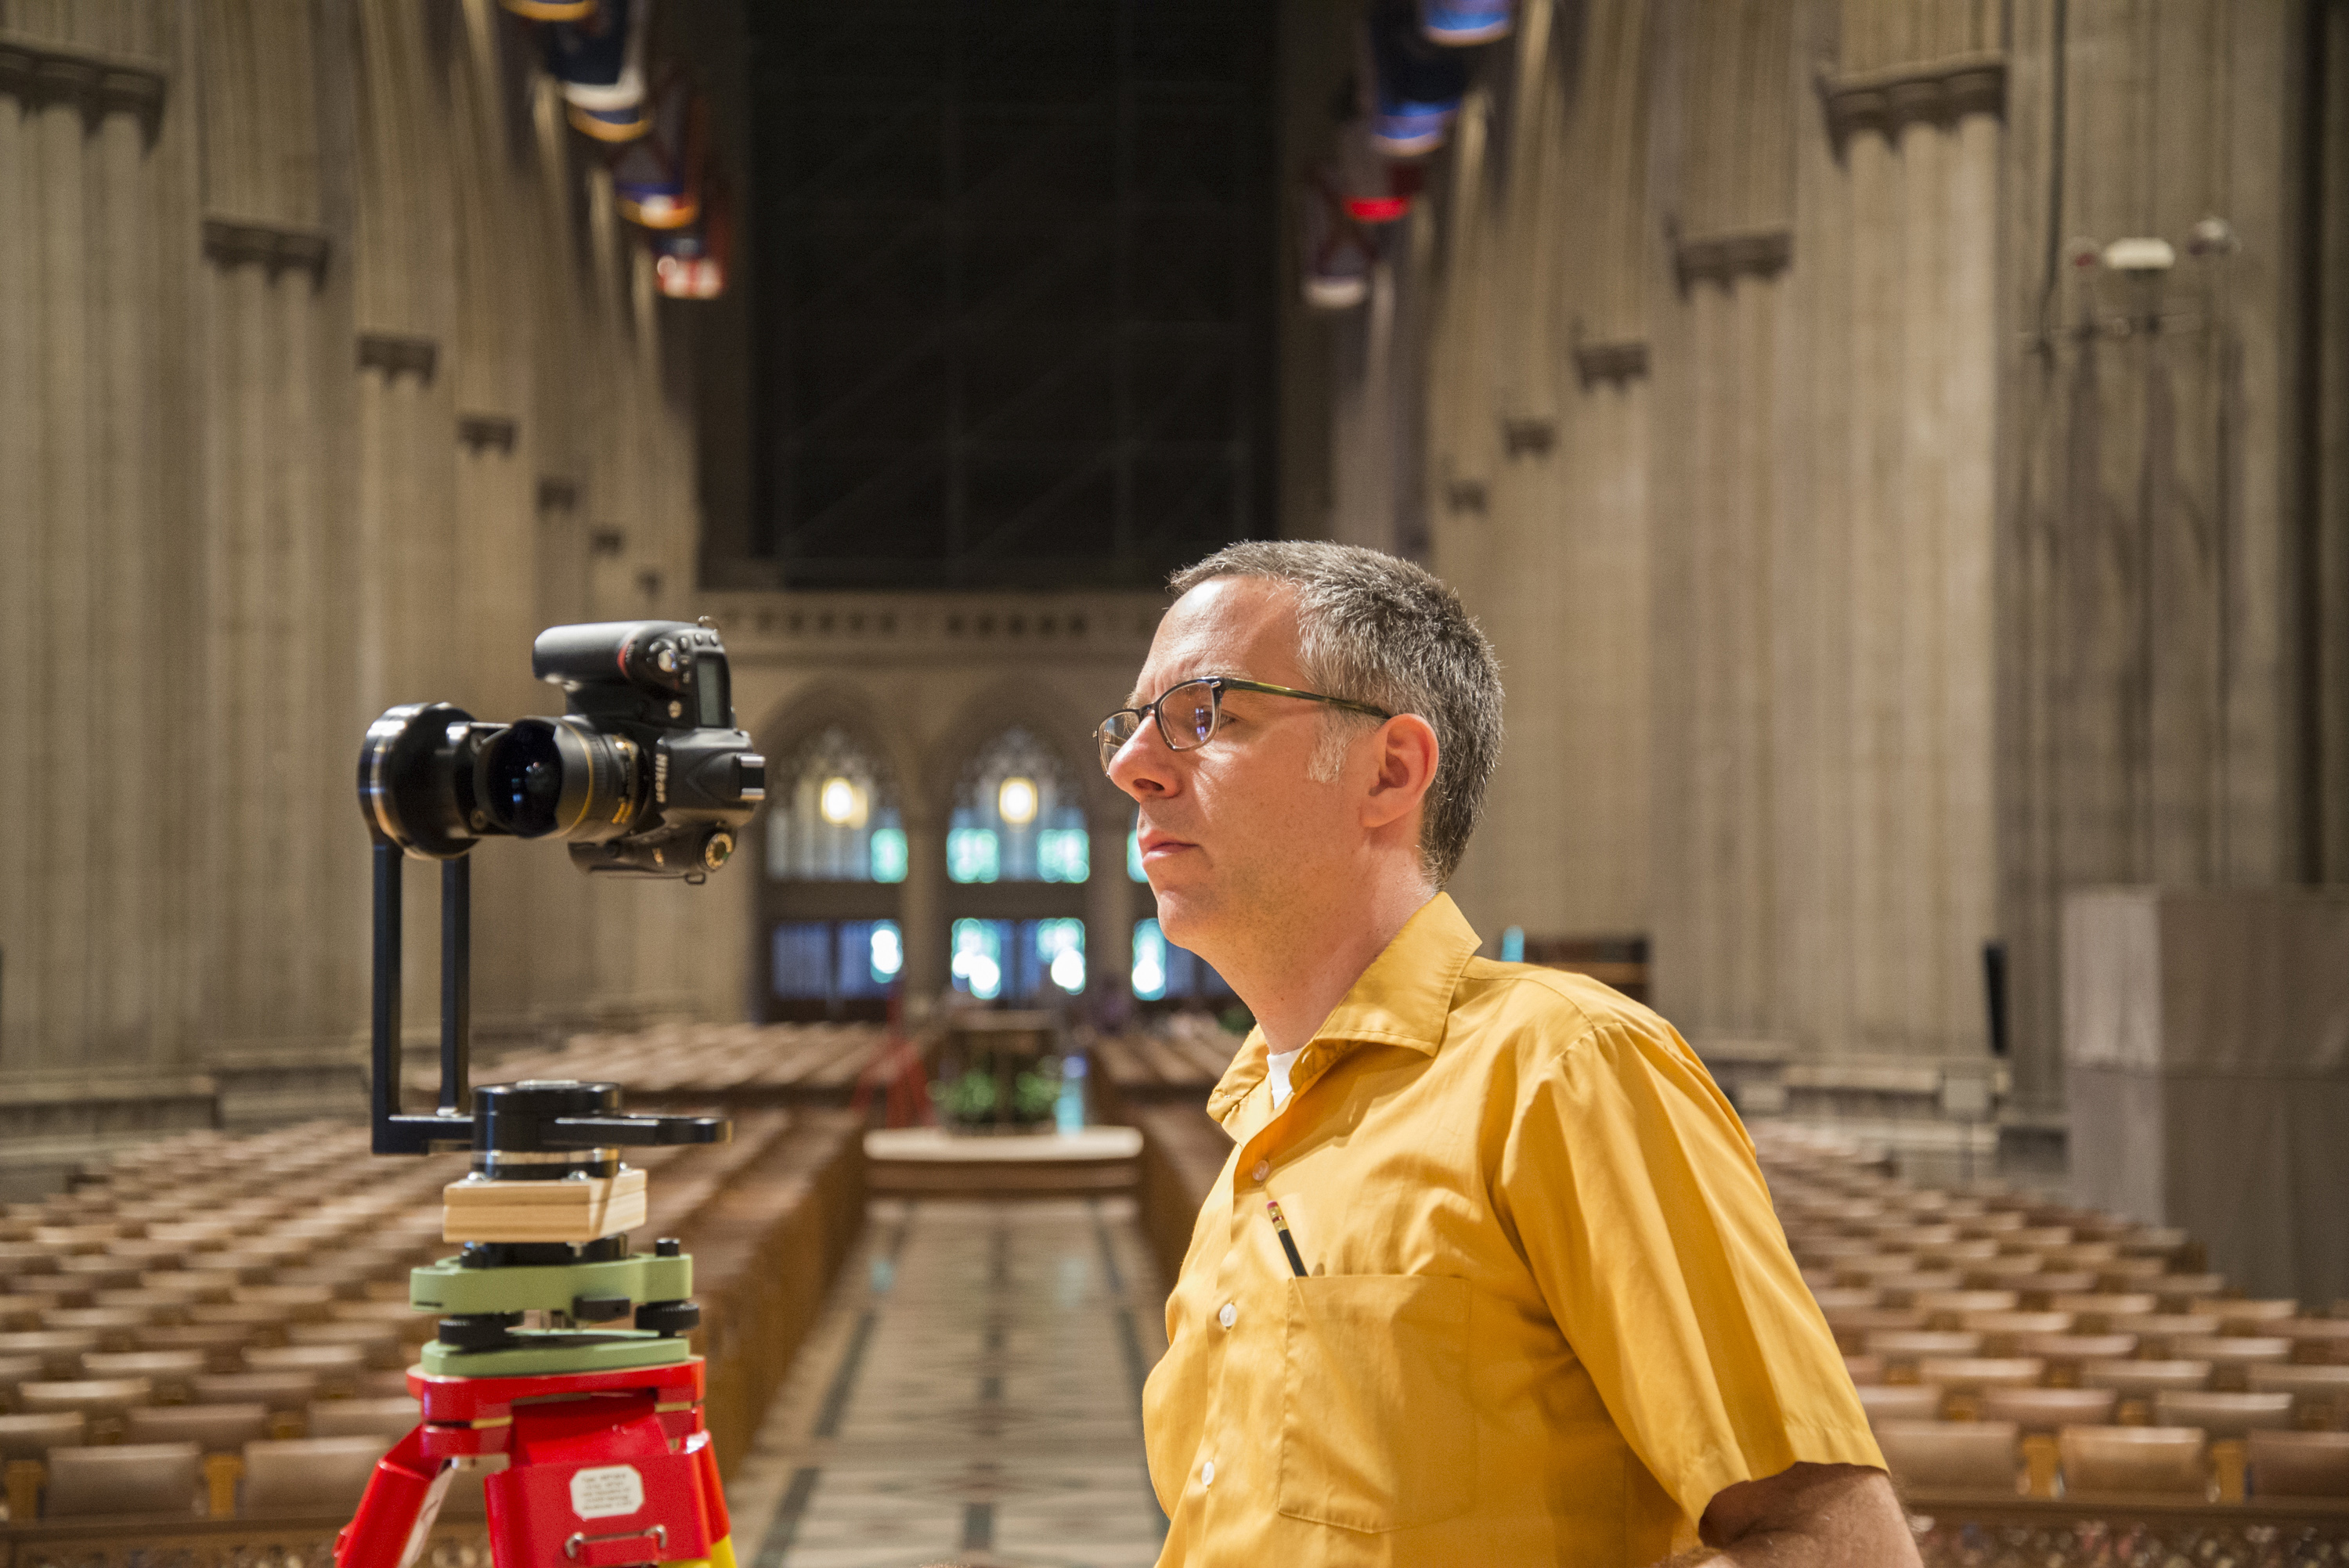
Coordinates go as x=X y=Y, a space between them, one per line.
x=644 y=775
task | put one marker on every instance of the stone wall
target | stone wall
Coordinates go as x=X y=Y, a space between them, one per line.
x=330 y=378
x=1866 y=571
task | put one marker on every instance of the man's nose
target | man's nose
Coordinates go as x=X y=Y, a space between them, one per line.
x=1144 y=764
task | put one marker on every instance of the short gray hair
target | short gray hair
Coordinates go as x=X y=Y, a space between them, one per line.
x=1382 y=631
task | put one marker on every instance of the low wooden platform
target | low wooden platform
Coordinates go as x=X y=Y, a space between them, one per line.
x=927 y=1161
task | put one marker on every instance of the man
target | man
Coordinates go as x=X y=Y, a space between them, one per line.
x=1525 y=1300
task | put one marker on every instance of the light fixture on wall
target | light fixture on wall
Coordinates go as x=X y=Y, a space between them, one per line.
x=842 y=802
x=1016 y=801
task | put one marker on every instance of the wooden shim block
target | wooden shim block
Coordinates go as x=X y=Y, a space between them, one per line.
x=569 y=1211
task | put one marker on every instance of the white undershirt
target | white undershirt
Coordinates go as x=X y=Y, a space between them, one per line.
x=1276 y=1073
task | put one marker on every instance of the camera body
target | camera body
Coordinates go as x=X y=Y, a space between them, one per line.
x=644 y=774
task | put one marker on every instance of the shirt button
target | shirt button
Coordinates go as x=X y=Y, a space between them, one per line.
x=1207 y=1473
x=1263 y=1169
x=1229 y=1315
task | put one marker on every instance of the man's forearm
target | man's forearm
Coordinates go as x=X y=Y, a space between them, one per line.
x=1812 y=1516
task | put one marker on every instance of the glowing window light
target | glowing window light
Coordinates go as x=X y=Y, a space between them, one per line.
x=888 y=951
x=889 y=853
x=1062 y=945
x=1149 y=960
x=1016 y=801
x=1063 y=855
x=973 y=855
x=842 y=803
x=978 y=957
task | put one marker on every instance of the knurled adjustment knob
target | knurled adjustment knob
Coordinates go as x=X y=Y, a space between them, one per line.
x=669 y=1318
x=669 y=1247
x=478 y=1330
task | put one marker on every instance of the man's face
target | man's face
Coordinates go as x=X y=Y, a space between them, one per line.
x=1239 y=840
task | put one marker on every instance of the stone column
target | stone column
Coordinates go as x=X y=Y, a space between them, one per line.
x=1110 y=907
x=922 y=908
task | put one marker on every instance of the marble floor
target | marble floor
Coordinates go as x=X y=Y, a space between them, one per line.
x=972 y=1395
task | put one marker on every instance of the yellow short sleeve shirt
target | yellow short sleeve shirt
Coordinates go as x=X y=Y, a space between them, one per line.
x=1547 y=1312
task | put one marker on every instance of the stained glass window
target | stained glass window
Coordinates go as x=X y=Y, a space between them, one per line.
x=835 y=817
x=1017 y=817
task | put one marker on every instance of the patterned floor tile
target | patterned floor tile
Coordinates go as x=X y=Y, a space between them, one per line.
x=971 y=1397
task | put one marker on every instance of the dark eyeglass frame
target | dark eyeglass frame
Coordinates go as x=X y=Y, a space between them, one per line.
x=1110 y=745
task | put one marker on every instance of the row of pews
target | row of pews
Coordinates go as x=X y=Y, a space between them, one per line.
x=202 y=1343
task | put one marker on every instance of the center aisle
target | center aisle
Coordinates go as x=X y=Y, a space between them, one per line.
x=971 y=1395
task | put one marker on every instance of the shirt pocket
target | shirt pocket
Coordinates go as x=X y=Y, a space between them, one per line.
x=1376 y=1431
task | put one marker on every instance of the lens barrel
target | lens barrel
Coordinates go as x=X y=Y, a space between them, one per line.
x=559 y=779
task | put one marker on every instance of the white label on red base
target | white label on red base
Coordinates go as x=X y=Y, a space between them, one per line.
x=607 y=1491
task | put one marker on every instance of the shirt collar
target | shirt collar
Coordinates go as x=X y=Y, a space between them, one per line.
x=1403 y=999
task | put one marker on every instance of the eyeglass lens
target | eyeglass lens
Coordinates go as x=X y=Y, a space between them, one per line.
x=1187 y=716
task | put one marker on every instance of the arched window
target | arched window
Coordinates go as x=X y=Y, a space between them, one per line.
x=835 y=847
x=835 y=819
x=1017 y=817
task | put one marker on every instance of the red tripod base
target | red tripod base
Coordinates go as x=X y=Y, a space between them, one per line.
x=604 y=1469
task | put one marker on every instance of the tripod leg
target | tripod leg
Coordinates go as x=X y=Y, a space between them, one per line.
x=396 y=1514
x=713 y=1503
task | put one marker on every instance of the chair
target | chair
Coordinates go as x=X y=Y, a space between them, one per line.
x=1903 y=1289
x=1963 y=1377
x=2298 y=1464
x=288 y=1391
x=267 y=1323
x=1851 y=1297
x=389 y=1419
x=2095 y=1310
x=2039 y=1291
x=2066 y=1354
x=167 y=1370
x=1865 y=1369
x=16 y=1370
x=206 y=1285
x=2317 y=1341
x=380 y=1386
x=98 y=1271
x=292 y=1302
x=334 y=1365
x=2005 y=1272
x=1900 y=1402
x=308 y=1475
x=221 y=1344
x=2236 y=1309
x=2222 y=1414
x=2178 y=1293
x=2225 y=1418
x=2320 y=1395
x=2157 y=1332
x=2134 y=1459
x=2231 y=1356
x=25 y=1445
x=1900 y=1347
x=378 y=1344
x=2141 y=1380
x=113 y=1325
x=30 y=1436
x=215 y=1429
x=1953 y=1304
x=123 y=1479
x=107 y=1400
x=2048 y=1409
x=2002 y=1329
x=1951 y=1456
x=1853 y=1326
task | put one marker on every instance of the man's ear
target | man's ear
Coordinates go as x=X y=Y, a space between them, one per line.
x=1406 y=756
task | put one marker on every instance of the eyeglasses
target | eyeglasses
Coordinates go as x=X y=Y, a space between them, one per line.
x=1190 y=713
